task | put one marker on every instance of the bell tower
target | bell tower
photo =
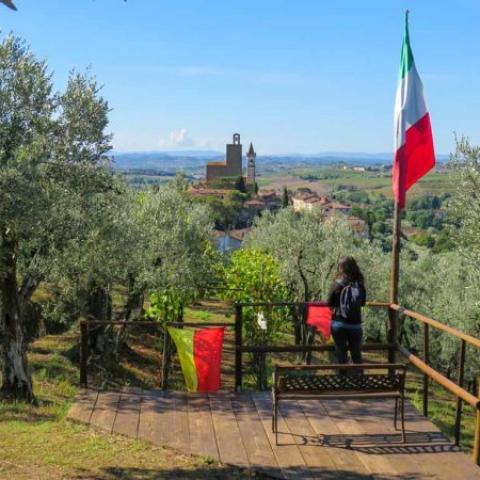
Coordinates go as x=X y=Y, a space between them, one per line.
x=251 y=158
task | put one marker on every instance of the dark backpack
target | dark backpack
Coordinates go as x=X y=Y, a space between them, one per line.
x=351 y=301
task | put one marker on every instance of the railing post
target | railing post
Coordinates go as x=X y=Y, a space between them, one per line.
x=238 y=345
x=83 y=352
x=476 y=441
x=165 y=357
x=458 y=413
x=426 y=359
x=392 y=335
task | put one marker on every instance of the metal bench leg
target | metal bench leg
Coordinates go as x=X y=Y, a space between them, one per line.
x=275 y=420
x=402 y=413
x=395 y=416
x=273 y=414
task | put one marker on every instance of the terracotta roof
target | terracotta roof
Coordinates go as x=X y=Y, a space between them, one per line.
x=254 y=203
x=357 y=224
x=304 y=195
x=237 y=234
x=312 y=200
x=216 y=164
x=240 y=233
x=337 y=206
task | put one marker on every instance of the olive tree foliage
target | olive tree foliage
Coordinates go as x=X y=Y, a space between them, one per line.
x=52 y=149
x=307 y=249
x=174 y=256
x=466 y=201
x=254 y=277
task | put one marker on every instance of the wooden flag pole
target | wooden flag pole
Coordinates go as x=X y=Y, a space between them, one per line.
x=395 y=275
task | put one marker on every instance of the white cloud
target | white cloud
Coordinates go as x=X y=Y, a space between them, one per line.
x=177 y=138
x=182 y=139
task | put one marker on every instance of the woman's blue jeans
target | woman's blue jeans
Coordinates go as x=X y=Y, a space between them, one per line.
x=348 y=340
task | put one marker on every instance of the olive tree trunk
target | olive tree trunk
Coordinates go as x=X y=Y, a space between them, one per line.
x=16 y=378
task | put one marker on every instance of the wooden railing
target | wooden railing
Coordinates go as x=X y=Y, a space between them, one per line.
x=429 y=373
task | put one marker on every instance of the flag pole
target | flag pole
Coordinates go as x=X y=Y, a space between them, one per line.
x=395 y=273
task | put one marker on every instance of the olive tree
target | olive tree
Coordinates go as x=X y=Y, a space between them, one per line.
x=174 y=257
x=52 y=163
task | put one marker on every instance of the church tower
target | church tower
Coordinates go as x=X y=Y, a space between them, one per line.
x=251 y=157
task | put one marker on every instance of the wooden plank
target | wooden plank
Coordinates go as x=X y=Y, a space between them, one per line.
x=287 y=454
x=161 y=423
x=229 y=441
x=179 y=434
x=81 y=410
x=128 y=413
x=257 y=445
x=344 y=459
x=202 y=435
x=436 y=456
x=376 y=465
x=103 y=415
x=151 y=425
x=305 y=437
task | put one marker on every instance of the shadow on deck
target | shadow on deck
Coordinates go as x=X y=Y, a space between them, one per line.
x=318 y=439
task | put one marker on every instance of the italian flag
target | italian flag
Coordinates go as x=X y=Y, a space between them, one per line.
x=414 y=153
x=200 y=353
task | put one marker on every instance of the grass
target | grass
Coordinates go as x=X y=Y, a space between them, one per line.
x=39 y=443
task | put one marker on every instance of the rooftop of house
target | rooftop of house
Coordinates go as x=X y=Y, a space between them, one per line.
x=216 y=164
x=254 y=202
x=337 y=206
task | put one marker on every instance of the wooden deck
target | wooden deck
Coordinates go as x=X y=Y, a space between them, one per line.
x=327 y=440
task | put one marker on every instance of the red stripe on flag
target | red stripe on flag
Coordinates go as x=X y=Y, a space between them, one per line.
x=207 y=355
x=319 y=315
x=413 y=159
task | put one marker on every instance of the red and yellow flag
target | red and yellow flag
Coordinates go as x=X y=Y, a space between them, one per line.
x=200 y=353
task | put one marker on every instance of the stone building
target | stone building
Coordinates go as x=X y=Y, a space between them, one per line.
x=232 y=166
x=251 y=161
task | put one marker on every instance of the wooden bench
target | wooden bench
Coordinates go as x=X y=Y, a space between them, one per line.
x=352 y=383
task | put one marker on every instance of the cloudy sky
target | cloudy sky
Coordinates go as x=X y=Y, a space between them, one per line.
x=292 y=76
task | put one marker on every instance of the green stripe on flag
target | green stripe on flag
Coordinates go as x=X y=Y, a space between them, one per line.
x=184 y=342
x=406 y=58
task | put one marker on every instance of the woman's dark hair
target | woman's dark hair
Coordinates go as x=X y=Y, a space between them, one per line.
x=348 y=270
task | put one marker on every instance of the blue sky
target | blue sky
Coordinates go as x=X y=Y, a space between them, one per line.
x=291 y=75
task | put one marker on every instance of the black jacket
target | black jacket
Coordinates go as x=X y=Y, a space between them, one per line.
x=334 y=299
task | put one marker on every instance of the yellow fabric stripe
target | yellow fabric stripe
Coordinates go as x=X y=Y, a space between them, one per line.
x=184 y=342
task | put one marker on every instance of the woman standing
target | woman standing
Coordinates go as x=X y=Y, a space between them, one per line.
x=346 y=298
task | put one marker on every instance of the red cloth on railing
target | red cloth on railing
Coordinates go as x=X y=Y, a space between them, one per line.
x=319 y=315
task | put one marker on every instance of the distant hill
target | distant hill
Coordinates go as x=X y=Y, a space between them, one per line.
x=194 y=160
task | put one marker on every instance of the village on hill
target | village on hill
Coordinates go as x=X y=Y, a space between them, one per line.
x=235 y=180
